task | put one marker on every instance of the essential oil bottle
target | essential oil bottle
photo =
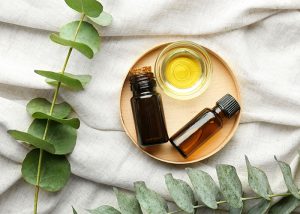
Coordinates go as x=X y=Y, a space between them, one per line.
x=204 y=125
x=147 y=110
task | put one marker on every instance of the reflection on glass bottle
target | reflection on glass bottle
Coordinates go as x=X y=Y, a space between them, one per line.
x=189 y=138
x=147 y=110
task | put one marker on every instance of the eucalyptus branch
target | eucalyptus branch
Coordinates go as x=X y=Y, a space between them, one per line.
x=52 y=134
x=243 y=199
x=209 y=193
x=37 y=186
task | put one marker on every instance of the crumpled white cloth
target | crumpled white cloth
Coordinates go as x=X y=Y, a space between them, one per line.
x=260 y=39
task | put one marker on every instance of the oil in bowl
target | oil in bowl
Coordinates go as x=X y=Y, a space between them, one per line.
x=183 y=70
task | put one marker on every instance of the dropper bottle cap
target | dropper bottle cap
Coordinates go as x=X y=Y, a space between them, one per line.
x=228 y=105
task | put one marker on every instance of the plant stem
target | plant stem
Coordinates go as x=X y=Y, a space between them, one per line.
x=243 y=199
x=38 y=177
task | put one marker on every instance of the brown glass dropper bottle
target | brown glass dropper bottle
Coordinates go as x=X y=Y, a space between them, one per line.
x=204 y=125
x=147 y=110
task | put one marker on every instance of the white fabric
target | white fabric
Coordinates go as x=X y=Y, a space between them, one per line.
x=260 y=39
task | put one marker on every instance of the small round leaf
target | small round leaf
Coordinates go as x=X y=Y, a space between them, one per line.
x=67 y=81
x=32 y=140
x=104 y=19
x=91 y=8
x=83 y=79
x=82 y=48
x=62 y=137
x=73 y=122
x=55 y=171
x=61 y=110
x=87 y=41
x=87 y=34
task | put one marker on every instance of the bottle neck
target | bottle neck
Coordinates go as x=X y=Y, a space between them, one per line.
x=142 y=84
x=218 y=112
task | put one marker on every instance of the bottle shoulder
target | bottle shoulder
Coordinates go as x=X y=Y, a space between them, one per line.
x=145 y=96
x=210 y=115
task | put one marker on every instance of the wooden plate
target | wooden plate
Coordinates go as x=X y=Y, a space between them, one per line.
x=179 y=112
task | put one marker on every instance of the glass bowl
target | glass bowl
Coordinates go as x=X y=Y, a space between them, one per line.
x=183 y=70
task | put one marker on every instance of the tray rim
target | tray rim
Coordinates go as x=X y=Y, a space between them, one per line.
x=226 y=140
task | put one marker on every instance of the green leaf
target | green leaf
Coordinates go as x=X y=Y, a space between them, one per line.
x=69 y=82
x=128 y=203
x=61 y=110
x=32 y=140
x=150 y=201
x=181 y=192
x=288 y=178
x=87 y=41
x=285 y=206
x=84 y=79
x=82 y=48
x=104 y=19
x=74 y=211
x=205 y=187
x=87 y=34
x=230 y=185
x=258 y=181
x=55 y=171
x=233 y=210
x=261 y=207
x=91 y=8
x=73 y=122
x=62 y=137
x=105 y=209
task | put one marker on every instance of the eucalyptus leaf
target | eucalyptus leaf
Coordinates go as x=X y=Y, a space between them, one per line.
x=181 y=192
x=84 y=79
x=230 y=185
x=73 y=122
x=61 y=110
x=87 y=40
x=62 y=137
x=55 y=170
x=204 y=186
x=285 y=206
x=128 y=203
x=87 y=34
x=233 y=210
x=82 y=48
x=105 y=209
x=69 y=82
x=150 y=201
x=32 y=140
x=104 y=19
x=91 y=8
x=261 y=207
x=288 y=178
x=258 y=181
x=74 y=211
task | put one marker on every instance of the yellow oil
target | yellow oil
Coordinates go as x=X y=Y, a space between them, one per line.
x=183 y=72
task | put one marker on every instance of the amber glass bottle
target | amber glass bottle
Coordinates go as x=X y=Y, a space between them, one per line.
x=147 y=110
x=204 y=125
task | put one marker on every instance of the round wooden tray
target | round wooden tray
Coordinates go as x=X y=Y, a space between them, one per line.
x=179 y=112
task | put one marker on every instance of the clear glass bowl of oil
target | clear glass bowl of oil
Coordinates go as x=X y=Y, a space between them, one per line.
x=183 y=70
